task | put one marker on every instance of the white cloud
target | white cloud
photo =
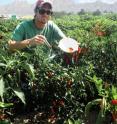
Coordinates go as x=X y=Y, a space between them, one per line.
x=78 y=1
x=32 y=1
x=106 y=1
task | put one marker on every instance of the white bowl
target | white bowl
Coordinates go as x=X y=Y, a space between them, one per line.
x=68 y=45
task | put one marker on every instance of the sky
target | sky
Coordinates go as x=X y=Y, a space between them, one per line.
x=106 y=1
x=2 y=2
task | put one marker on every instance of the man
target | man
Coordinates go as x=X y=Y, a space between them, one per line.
x=37 y=31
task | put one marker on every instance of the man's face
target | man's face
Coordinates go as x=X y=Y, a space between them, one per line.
x=43 y=14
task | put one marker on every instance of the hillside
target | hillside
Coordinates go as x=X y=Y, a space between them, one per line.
x=22 y=7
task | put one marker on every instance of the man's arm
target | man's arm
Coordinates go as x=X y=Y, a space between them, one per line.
x=14 y=45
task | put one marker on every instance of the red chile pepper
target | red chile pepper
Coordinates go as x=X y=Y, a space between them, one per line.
x=114 y=115
x=66 y=59
x=114 y=102
x=79 y=50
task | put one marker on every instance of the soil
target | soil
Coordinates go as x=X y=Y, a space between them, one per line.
x=42 y=117
x=31 y=118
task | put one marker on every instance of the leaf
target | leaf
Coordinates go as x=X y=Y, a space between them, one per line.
x=90 y=104
x=10 y=63
x=30 y=70
x=114 y=92
x=77 y=122
x=20 y=94
x=5 y=105
x=70 y=121
x=100 y=118
x=97 y=81
x=2 y=65
x=2 y=87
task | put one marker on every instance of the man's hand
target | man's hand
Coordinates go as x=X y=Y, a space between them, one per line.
x=38 y=39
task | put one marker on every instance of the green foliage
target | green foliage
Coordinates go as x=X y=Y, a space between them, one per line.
x=62 y=90
x=4 y=122
x=20 y=94
x=5 y=105
x=2 y=88
x=72 y=121
x=114 y=92
x=108 y=93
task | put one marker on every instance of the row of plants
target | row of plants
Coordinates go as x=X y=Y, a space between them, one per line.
x=66 y=92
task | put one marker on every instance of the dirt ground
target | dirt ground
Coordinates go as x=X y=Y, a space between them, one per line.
x=42 y=118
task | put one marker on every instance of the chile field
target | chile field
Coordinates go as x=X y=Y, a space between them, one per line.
x=82 y=89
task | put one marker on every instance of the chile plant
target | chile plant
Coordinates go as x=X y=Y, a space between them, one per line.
x=107 y=101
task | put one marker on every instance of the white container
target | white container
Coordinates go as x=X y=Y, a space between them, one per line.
x=68 y=45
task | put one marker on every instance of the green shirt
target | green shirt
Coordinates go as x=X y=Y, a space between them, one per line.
x=27 y=30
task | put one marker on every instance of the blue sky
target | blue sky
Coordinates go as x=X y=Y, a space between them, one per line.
x=81 y=1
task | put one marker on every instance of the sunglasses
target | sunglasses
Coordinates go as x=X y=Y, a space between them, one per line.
x=43 y=11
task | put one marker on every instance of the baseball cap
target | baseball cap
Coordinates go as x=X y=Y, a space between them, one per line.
x=40 y=3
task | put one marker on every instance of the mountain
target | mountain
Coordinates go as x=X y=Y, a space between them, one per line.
x=22 y=7
x=18 y=7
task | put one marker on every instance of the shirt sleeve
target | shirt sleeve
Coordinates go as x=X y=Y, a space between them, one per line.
x=18 y=34
x=58 y=34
